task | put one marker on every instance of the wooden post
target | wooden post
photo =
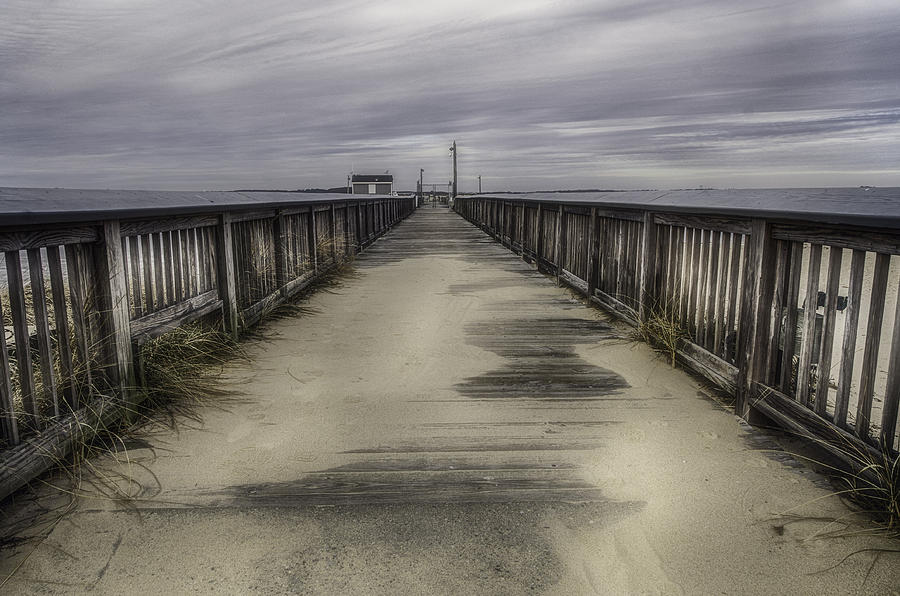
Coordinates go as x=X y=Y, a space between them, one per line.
x=313 y=241
x=115 y=322
x=539 y=228
x=755 y=304
x=559 y=250
x=225 y=277
x=279 y=236
x=646 y=292
x=521 y=232
x=593 y=252
x=332 y=221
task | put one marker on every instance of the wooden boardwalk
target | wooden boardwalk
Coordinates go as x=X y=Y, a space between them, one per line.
x=451 y=421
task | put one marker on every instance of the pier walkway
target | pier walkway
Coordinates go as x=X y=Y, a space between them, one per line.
x=449 y=421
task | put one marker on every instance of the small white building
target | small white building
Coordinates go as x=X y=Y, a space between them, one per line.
x=372 y=184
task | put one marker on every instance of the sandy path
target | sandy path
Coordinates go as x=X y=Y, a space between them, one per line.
x=452 y=422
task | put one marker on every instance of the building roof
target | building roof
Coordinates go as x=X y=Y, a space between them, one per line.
x=372 y=178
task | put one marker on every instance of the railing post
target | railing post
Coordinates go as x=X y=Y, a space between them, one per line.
x=521 y=230
x=115 y=320
x=646 y=294
x=539 y=230
x=280 y=241
x=313 y=241
x=225 y=278
x=560 y=241
x=756 y=304
x=332 y=221
x=593 y=253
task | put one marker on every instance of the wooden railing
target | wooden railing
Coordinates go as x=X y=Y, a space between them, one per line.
x=80 y=298
x=799 y=320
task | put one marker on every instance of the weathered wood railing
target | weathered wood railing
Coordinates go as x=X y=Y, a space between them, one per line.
x=799 y=320
x=81 y=295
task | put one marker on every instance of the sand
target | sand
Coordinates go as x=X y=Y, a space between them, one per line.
x=449 y=421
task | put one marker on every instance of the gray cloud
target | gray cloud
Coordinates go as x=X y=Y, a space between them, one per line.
x=209 y=94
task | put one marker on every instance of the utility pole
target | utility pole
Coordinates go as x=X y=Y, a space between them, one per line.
x=453 y=151
x=479 y=183
x=421 y=193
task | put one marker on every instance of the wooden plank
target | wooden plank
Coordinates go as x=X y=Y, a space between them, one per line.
x=166 y=224
x=135 y=288
x=159 y=287
x=782 y=261
x=559 y=242
x=870 y=352
x=648 y=267
x=225 y=278
x=9 y=428
x=61 y=322
x=172 y=317
x=78 y=288
x=194 y=256
x=25 y=240
x=703 y=286
x=114 y=316
x=848 y=347
x=312 y=234
x=282 y=252
x=831 y=298
x=687 y=260
x=178 y=266
x=886 y=242
x=238 y=216
x=593 y=247
x=539 y=231
x=620 y=215
x=756 y=299
x=22 y=336
x=705 y=222
x=892 y=389
x=694 y=279
x=710 y=366
x=718 y=343
x=809 y=349
x=147 y=268
x=169 y=266
x=734 y=311
x=711 y=292
x=805 y=423
x=792 y=296
x=332 y=224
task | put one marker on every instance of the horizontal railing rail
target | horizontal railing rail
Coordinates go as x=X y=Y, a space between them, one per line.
x=80 y=299
x=799 y=320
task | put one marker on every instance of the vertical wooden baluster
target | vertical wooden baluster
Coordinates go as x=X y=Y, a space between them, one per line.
x=8 y=425
x=147 y=267
x=827 y=341
x=60 y=318
x=873 y=339
x=75 y=264
x=42 y=327
x=158 y=276
x=721 y=295
x=892 y=390
x=792 y=296
x=178 y=266
x=136 y=290
x=851 y=330
x=809 y=349
x=166 y=239
x=713 y=289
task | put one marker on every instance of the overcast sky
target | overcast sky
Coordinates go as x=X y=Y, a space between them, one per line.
x=219 y=94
